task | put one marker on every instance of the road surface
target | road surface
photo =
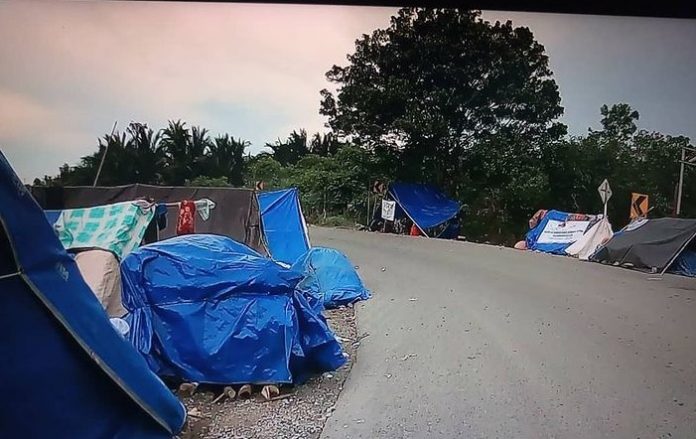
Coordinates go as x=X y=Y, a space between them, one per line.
x=475 y=341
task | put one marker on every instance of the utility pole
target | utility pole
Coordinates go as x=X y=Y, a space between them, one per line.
x=684 y=161
x=106 y=149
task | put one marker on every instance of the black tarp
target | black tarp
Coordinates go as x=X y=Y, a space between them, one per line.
x=236 y=214
x=650 y=245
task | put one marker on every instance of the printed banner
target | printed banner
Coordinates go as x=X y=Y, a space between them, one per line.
x=559 y=232
x=388 y=208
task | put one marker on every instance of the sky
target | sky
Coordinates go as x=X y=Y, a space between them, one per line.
x=72 y=69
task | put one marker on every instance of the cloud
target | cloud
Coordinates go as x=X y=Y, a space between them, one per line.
x=249 y=70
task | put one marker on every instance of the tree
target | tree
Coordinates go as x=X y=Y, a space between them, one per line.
x=204 y=181
x=435 y=81
x=324 y=145
x=146 y=154
x=226 y=159
x=291 y=150
x=176 y=141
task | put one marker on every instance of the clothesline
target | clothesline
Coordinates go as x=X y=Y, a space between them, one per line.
x=203 y=201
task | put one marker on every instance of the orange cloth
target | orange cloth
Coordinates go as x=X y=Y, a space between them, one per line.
x=415 y=231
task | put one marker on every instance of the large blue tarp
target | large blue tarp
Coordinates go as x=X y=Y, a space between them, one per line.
x=206 y=308
x=65 y=371
x=427 y=206
x=331 y=273
x=283 y=224
x=554 y=243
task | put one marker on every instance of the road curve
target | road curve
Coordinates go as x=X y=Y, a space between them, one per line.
x=476 y=341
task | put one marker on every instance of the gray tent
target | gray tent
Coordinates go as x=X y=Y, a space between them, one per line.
x=236 y=214
x=648 y=244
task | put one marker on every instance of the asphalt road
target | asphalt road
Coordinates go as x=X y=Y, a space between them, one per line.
x=476 y=341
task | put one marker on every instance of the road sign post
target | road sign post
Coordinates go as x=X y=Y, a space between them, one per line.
x=605 y=193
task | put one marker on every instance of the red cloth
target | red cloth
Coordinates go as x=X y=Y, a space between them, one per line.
x=415 y=231
x=187 y=218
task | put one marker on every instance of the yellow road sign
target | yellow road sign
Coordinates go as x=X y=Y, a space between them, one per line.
x=639 y=205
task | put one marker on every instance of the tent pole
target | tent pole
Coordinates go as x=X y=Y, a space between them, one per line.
x=106 y=149
x=674 y=258
x=681 y=180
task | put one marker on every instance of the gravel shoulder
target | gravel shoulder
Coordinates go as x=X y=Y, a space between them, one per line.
x=300 y=412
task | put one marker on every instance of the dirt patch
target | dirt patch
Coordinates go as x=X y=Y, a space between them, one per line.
x=300 y=412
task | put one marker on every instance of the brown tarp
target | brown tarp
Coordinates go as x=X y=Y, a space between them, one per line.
x=236 y=213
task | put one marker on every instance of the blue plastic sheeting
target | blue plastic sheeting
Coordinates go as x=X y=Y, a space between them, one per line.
x=283 y=225
x=331 y=273
x=557 y=247
x=206 y=308
x=65 y=372
x=685 y=264
x=52 y=215
x=424 y=204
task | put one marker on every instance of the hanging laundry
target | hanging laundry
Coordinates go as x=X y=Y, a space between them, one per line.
x=203 y=207
x=187 y=218
x=118 y=228
x=161 y=216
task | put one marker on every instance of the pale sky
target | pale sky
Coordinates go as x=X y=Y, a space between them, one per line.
x=69 y=70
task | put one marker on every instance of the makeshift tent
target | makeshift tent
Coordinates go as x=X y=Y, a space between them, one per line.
x=649 y=244
x=427 y=207
x=236 y=214
x=208 y=309
x=596 y=236
x=331 y=273
x=102 y=273
x=66 y=371
x=557 y=230
x=284 y=225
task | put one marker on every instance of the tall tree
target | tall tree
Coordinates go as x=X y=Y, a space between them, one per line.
x=436 y=80
x=146 y=153
x=226 y=159
x=176 y=141
x=291 y=150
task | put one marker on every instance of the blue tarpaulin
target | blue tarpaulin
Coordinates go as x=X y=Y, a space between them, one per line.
x=331 y=273
x=283 y=225
x=427 y=206
x=52 y=215
x=556 y=231
x=65 y=372
x=206 y=308
x=685 y=264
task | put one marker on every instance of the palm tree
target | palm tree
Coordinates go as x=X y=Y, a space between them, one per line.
x=176 y=139
x=291 y=150
x=226 y=159
x=147 y=154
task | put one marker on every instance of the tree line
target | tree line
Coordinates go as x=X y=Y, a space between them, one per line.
x=440 y=96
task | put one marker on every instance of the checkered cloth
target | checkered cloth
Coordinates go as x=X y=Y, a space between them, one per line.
x=118 y=228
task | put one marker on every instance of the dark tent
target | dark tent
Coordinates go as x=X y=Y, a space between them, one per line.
x=236 y=214
x=649 y=244
x=66 y=372
x=428 y=208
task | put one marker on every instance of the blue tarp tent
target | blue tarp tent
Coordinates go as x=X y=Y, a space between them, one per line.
x=331 y=273
x=556 y=231
x=206 y=308
x=65 y=371
x=283 y=224
x=425 y=205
